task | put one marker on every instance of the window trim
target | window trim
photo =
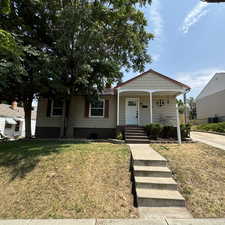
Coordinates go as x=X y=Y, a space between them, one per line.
x=89 y=114
x=52 y=106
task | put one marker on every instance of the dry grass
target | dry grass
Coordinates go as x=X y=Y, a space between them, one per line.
x=200 y=172
x=47 y=179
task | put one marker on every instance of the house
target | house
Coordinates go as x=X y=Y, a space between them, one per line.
x=147 y=98
x=12 y=122
x=210 y=102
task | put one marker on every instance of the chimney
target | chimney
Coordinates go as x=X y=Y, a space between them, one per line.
x=14 y=105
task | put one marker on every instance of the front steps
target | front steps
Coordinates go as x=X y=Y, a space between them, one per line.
x=136 y=135
x=155 y=187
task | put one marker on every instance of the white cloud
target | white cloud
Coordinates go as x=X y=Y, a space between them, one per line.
x=197 y=79
x=194 y=16
x=157 y=23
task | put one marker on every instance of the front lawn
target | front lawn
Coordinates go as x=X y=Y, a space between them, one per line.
x=55 y=179
x=199 y=170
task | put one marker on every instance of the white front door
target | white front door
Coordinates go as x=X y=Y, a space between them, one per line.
x=132 y=111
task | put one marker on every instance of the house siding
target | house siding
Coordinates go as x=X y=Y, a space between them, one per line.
x=151 y=81
x=165 y=114
x=76 y=119
x=211 y=105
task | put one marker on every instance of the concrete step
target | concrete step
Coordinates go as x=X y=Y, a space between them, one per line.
x=148 y=162
x=134 y=131
x=134 y=128
x=165 y=183
x=152 y=171
x=136 y=137
x=137 y=141
x=159 y=198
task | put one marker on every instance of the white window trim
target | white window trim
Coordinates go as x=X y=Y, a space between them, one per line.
x=103 y=110
x=52 y=104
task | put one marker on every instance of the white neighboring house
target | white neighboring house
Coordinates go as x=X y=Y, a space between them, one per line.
x=210 y=102
x=12 y=123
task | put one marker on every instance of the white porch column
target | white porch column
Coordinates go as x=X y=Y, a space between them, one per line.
x=118 y=106
x=150 y=106
x=178 y=125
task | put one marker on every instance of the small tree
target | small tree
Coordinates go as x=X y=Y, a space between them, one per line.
x=192 y=108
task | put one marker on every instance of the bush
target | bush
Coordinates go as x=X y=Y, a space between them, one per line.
x=153 y=130
x=216 y=127
x=156 y=130
x=119 y=135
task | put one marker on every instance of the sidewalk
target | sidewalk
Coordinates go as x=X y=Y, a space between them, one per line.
x=153 y=221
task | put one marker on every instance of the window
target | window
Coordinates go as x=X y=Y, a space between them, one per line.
x=132 y=103
x=17 y=128
x=96 y=109
x=8 y=125
x=57 y=108
x=160 y=102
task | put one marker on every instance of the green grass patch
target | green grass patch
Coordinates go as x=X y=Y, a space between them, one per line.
x=199 y=170
x=62 y=179
x=215 y=127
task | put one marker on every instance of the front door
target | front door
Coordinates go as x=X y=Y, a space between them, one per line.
x=132 y=111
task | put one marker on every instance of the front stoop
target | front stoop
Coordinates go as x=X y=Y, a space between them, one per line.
x=136 y=135
x=156 y=190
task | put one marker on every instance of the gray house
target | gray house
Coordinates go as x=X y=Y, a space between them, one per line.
x=12 y=123
x=147 y=98
x=211 y=101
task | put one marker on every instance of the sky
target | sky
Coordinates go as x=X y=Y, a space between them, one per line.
x=189 y=43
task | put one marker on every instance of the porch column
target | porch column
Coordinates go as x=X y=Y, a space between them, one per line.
x=178 y=125
x=118 y=106
x=150 y=106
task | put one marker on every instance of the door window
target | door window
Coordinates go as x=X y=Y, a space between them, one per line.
x=132 y=103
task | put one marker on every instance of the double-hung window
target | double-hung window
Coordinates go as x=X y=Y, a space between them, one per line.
x=57 y=107
x=97 y=108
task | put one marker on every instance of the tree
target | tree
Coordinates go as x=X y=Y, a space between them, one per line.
x=72 y=47
x=181 y=106
x=22 y=75
x=192 y=108
x=94 y=40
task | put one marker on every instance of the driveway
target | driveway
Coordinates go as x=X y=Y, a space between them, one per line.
x=214 y=140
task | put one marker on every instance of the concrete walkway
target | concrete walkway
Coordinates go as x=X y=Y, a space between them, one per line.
x=156 y=191
x=214 y=140
x=152 y=221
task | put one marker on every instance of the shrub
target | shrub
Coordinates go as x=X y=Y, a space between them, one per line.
x=119 y=135
x=157 y=130
x=216 y=127
x=153 y=130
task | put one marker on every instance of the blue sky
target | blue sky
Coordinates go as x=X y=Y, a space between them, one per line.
x=189 y=42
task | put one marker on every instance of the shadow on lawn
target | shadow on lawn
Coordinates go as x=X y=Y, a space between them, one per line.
x=22 y=156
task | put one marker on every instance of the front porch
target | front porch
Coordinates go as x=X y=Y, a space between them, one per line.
x=141 y=107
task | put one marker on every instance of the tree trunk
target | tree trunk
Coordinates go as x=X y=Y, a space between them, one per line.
x=27 y=111
x=66 y=117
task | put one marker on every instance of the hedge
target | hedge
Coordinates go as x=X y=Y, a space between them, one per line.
x=156 y=130
x=216 y=127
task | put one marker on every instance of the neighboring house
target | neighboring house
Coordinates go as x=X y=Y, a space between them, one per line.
x=147 y=98
x=12 y=122
x=211 y=101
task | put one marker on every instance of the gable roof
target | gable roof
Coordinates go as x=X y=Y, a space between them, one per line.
x=7 y=111
x=159 y=74
x=216 y=84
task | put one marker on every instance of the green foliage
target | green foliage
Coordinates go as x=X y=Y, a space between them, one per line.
x=69 y=47
x=119 y=135
x=156 y=130
x=153 y=130
x=4 y=6
x=216 y=127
